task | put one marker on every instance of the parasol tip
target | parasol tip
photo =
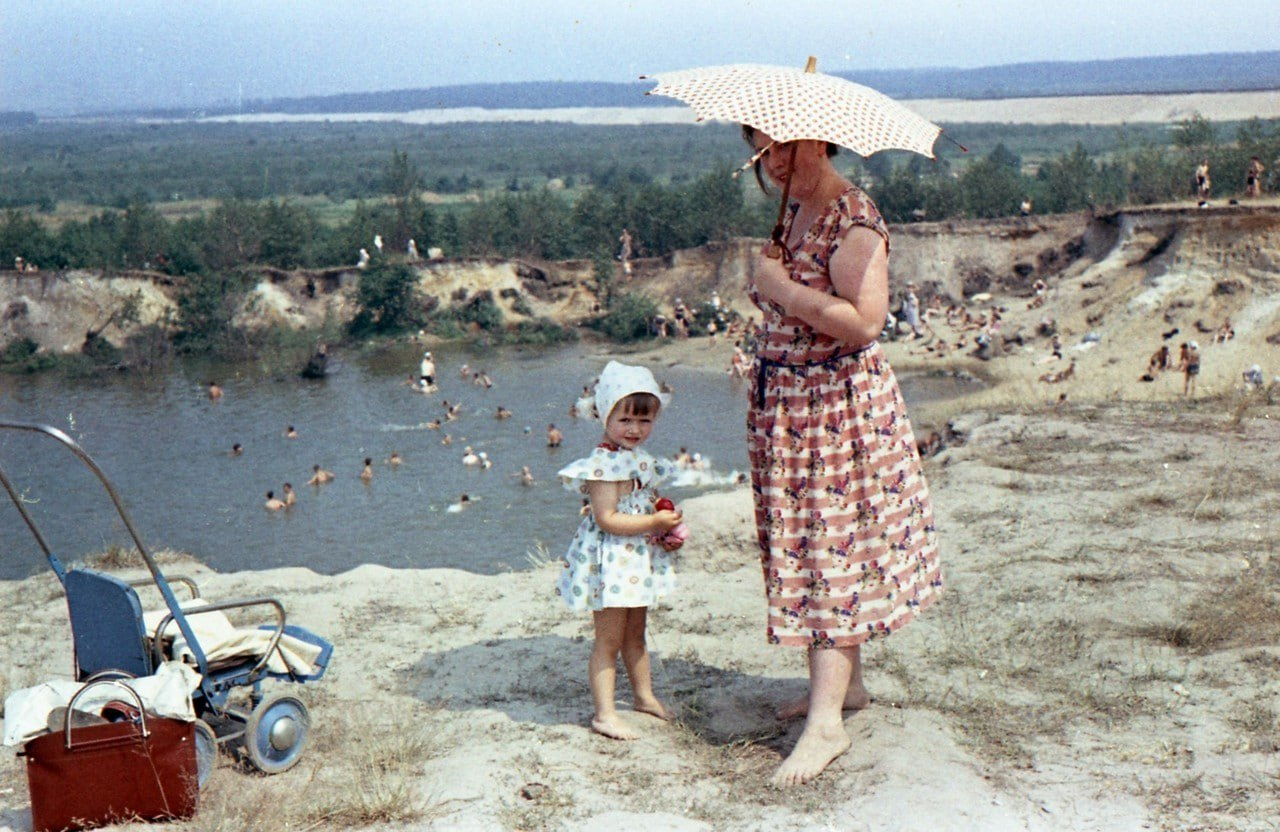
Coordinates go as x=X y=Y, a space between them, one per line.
x=811 y=66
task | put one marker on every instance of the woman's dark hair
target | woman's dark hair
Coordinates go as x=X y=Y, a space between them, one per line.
x=749 y=134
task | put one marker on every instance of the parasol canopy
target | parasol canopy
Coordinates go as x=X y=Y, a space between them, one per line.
x=789 y=104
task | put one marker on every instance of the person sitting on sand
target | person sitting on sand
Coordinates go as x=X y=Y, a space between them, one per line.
x=273 y=503
x=319 y=476
x=1159 y=360
x=215 y=391
x=290 y=496
x=614 y=566
x=1224 y=333
x=1189 y=363
x=366 y=473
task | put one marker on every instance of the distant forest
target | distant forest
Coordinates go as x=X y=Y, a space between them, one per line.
x=1187 y=73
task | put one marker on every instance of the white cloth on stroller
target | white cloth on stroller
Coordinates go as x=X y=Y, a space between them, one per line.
x=226 y=644
x=166 y=693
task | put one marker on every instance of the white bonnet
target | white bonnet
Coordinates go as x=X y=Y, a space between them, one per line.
x=618 y=381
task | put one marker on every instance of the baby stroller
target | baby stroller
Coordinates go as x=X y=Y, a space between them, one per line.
x=112 y=636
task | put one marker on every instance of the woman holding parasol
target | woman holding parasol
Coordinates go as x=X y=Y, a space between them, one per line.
x=843 y=514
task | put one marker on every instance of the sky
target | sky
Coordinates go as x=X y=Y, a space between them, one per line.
x=63 y=56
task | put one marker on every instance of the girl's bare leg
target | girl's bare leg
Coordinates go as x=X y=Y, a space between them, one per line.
x=824 y=737
x=603 y=671
x=635 y=658
x=855 y=698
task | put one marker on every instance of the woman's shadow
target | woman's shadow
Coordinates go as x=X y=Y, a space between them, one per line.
x=543 y=680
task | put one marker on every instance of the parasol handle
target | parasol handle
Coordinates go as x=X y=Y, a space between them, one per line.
x=778 y=249
x=811 y=65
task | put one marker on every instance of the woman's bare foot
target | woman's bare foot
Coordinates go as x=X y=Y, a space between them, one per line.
x=854 y=700
x=613 y=728
x=654 y=707
x=814 y=751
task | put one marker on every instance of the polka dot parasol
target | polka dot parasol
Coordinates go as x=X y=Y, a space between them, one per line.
x=789 y=104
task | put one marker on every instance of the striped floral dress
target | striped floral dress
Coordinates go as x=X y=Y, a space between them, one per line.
x=843 y=515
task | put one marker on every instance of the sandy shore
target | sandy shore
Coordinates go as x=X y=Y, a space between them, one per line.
x=1104 y=658
x=1081 y=109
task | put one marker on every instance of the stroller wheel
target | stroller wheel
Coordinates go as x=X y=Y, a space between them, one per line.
x=276 y=732
x=206 y=752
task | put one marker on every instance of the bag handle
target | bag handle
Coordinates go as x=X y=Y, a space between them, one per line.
x=133 y=694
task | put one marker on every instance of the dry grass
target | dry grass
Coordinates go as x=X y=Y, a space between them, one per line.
x=1243 y=612
x=119 y=558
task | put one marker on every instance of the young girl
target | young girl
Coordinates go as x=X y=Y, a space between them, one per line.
x=614 y=567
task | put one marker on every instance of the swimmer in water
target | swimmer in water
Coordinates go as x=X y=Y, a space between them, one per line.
x=215 y=392
x=272 y=503
x=290 y=433
x=367 y=473
x=290 y=496
x=394 y=460
x=319 y=476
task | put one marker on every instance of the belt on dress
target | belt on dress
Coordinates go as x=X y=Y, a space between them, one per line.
x=763 y=365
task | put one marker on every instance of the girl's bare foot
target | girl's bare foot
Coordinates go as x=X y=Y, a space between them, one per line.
x=854 y=700
x=654 y=707
x=613 y=728
x=814 y=751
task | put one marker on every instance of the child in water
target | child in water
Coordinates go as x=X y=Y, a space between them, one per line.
x=619 y=561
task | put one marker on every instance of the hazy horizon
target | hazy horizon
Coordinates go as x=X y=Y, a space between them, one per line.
x=90 y=55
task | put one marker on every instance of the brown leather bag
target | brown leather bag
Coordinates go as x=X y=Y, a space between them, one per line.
x=99 y=774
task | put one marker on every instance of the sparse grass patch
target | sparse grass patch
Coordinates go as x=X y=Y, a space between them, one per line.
x=369 y=768
x=116 y=557
x=1244 y=612
x=1256 y=719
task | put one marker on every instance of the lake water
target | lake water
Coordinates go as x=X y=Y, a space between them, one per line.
x=166 y=447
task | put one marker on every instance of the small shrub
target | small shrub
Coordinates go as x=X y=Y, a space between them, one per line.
x=628 y=319
x=23 y=355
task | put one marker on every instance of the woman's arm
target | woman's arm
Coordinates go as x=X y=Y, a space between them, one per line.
x=856 y=313
x=604 y=505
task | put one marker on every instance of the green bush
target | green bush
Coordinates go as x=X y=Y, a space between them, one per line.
x=387 y=300
x=541 y=331
x=22 y=355
x=629 y=318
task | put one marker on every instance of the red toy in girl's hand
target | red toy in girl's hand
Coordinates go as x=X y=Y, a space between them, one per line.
x=676 y=536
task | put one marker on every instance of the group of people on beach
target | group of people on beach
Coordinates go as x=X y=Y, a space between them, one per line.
x=844 y=523
x=1203 y=184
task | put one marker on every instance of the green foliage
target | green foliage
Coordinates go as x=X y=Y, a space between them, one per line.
x=387 y=299
x=629 y=318
x=991 y=189
x=1195 y=134
x=540 y=332
x=22 y=355
x=206 y=306
x=482 y=311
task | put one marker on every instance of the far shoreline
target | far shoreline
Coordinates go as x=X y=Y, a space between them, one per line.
x=1070 y=109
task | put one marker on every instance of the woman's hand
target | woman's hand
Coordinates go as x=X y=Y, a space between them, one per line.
x=773 y=281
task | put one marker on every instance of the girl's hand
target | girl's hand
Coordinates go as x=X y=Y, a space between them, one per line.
x=666 y=520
